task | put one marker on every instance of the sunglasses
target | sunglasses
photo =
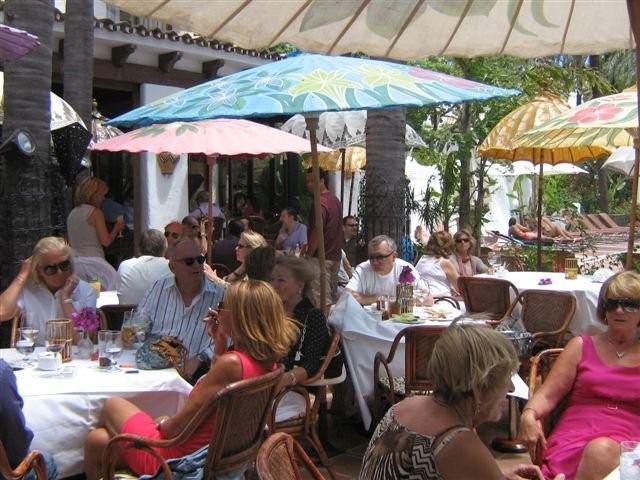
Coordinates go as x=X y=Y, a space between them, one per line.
x=462 y=240
x=53 y=269
x=190 y=260
x=379 y=258
x=173 y=235
x=628 y=305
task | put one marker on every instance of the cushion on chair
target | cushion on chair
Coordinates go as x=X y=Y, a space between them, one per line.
x=398 y=383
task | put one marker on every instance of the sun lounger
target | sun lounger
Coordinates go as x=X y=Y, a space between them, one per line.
x=603 y=228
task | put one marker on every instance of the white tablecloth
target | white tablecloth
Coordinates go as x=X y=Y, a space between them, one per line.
x=62 y=411
x=586 y=292
x=362 y=337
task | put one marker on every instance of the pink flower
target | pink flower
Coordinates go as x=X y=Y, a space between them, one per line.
x=406 y=276
x=87 y=318
x=602 y=112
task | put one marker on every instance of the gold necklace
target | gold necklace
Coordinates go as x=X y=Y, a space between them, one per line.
x=619 y=353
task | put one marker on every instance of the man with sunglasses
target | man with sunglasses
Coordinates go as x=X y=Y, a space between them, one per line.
x=379 y=276
x=177 y=304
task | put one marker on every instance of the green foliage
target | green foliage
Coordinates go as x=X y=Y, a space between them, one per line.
x=558 y=194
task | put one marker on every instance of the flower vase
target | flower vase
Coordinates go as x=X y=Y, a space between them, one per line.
x=85 y=346
x=404 y=297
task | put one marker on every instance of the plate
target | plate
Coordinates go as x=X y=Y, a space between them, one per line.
x=408 y=320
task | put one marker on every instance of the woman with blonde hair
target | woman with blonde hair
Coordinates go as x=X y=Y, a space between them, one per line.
x=429 y=437
x=253 y=317
x=435 y=268
x=464 y=262
x=597 y=377
x=46 y=288
x=88 y=233
x=248 y=241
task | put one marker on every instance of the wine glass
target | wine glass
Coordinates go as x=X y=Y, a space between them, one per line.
x=422 y=293
x=109 y=348
x=29 y=334
x=25 y=347
x=56 y=346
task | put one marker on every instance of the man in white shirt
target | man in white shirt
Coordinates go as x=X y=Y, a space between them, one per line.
x=379 y=275
x=176 y=304
x=137 y=275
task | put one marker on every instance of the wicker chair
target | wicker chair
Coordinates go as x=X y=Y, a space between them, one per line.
x=16 y=323
x=448 y=299
x=540 y=367
x=34 y=460
x=546 y=314
x=486 y=295
x=418 y=345
x=278 y=460
x=314 y=392
x=242 y=411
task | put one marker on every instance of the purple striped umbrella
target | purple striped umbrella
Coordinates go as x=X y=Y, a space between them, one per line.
x=15 y=43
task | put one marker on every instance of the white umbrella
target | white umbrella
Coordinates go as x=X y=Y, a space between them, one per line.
x=522 y=167
x=621 y=160
x=343 y=129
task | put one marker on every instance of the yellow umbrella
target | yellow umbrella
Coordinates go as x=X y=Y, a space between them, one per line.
x=501 y=143
x=604 y=122
x=355 y=158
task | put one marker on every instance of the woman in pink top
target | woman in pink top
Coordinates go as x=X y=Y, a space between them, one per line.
x=261 y=333
x=599 y=377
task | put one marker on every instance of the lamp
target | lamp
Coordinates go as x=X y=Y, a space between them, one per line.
x=21 y=140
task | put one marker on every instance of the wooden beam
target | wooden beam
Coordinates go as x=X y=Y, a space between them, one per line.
x=166 y=61
x=210 y=69
x=130 y=75
x=120 y=54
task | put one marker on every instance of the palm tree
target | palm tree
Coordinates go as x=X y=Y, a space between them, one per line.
x=78 y=57
x=26 y=196
x=386 y=185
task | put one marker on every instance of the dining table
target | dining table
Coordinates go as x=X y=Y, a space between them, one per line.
x=364 y=334
x=583 y=288
x=61 y=407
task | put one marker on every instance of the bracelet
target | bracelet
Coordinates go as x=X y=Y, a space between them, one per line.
x=535 y=413
x=67 y=301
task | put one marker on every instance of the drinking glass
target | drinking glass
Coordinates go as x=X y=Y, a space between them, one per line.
x=26 y=346
x=135 y=326
x=60 y=333
x=109 y=348
x=629 y=460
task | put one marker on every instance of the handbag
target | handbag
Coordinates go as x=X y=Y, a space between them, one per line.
x=161 y=351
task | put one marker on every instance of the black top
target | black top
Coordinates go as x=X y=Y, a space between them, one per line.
x=224 y=251
x=14 y=434
x=313 y=340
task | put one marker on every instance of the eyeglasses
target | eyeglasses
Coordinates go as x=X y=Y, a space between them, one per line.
x=379 y=258
x=173 y=235
x=64 y=266
x=189 y=260
x=461 y=240
x=628 y=305
x=239 y=245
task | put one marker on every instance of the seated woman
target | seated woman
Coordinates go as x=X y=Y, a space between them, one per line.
x=520 y=232
x=260 y=263
x=248 y=241
x=291 y=277
x=88 y=234
x=464 y=263
x=261 y=333
x=435 y=268
x=552 y=229
x=46 y=288
x=598 y=375
x=433 y=437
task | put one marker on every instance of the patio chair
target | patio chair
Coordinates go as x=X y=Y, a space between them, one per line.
x=34 y=460
x=603 y=226
x=487 y=295
x=540 y=367
x=314 y=392
x=278 y=459
x=387 y=389
x=546 y=314
x=242 y=411
x=114 y=314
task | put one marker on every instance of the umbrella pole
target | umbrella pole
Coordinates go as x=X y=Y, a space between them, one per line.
x=353 y=177
x=137 y=202
x=211 y=161
x=318 y=227
x=540 y=182
x=343 y=152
